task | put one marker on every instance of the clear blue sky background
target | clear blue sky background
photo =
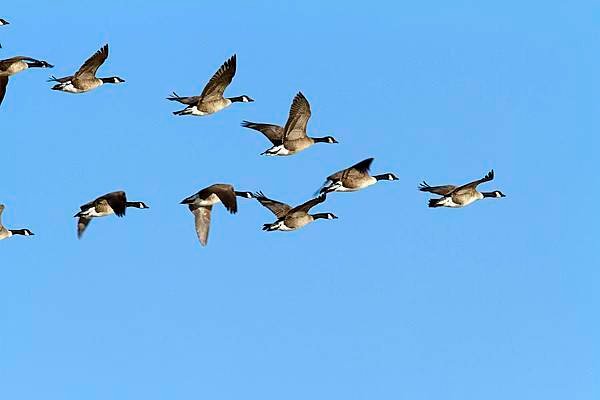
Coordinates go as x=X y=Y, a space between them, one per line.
x=391 y=301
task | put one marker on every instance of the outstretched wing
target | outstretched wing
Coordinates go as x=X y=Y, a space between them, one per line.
x=9 y=61
x=473 y=185
x=117 y=201
x=3 y=84
x=91 y=65
x=82 y=224
x=359 y=169
x=226 y=194
x=1 y=210
x=295 y=127
x=305 y=207
x=190 y=100
x=216 y=86
x=441 y=190
x=273 y=132
x=276 y=207
x=201 y=221
x=64 y=79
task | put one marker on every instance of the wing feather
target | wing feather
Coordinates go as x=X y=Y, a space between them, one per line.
x=216 y=86
x=3 y=85
x=273 y=132
x=295 y=127
x=201 y=221
x=276 y=207
x=91 y=65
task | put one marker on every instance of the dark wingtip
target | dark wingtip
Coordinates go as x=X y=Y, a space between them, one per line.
x=433 y=203
x=259 y=195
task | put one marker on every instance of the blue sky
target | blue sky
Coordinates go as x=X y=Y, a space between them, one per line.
x=391 y=301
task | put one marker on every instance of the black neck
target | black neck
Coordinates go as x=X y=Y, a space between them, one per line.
x=108 y=80
x=135 y=204
x=321 y=139
x=18 y=231
x=36 y=64
x=381 y=177
x=488 y=194
x=321 y=216
x=236 y=99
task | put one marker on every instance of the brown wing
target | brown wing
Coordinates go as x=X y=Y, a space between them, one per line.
x=309 y=204
x=60 y=80
x=4 y=64
x=116 y=201
x=216 y=86
x=359 y=169
x=273 y=132
x=1 y=210
x=3 y=84
x=226 y=194
x=295 y=127
x=473 y=185
x=82 y=224
x=276 y=207
x=190 y=100
x=201 y=221
x=91 y=65
x=441 y=190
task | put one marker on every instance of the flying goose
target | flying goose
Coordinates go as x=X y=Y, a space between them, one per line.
x=3 y=22
x=6 y=233
x=292 y=138
x=288 y=218
x=14 y=65
x=461 y=196
x=85 y=79
x=200 y=204
x=211 y=100
x=354 y=178
x=110 y=203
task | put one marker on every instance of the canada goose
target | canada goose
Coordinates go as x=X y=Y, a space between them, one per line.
x=292 y=138
x=200 y=204
x=460 y=196
x=354 y=178
x=211 y=100
x=110 y=203
x=14 y=65
x=288 y=218
x=85 y=79
x=6 y=233
x=3 y=22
